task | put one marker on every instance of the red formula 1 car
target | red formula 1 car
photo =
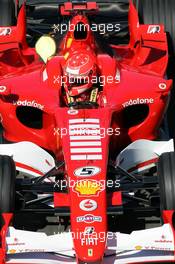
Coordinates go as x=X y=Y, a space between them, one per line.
x=79 y=116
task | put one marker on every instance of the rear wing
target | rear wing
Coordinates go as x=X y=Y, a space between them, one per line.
x=140 y=32
x=12 y=36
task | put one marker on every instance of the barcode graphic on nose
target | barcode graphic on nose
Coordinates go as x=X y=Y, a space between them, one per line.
x=85 y=139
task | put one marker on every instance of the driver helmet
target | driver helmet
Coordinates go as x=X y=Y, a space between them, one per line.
x=79 y=71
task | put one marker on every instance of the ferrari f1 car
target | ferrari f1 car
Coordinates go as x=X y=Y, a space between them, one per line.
x=83 y=139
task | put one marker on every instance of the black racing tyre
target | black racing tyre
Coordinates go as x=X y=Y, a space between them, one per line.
x=7 y=12
x=166 y=176
x=7 y=184
x=159 y=12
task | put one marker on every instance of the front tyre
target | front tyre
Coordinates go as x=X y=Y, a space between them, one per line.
x=7 y=184
x=166 y=176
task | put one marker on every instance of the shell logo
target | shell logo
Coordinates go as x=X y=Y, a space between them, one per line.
x=12 y=251
x=138 y=247
x=88 y=187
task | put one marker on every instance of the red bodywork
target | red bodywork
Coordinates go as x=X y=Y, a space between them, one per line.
x=138 y=91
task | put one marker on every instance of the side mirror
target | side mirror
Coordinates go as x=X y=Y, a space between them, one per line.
x=45 y=47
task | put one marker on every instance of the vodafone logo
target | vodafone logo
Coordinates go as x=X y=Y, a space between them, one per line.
x=72 y=112
x=28 y=103
x=162 y=86
x=3 y=89
x=88 y=205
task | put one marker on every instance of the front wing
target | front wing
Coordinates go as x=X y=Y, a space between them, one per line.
x=155 y=244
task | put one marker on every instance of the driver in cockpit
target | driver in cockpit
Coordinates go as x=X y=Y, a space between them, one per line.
x=80 y=72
